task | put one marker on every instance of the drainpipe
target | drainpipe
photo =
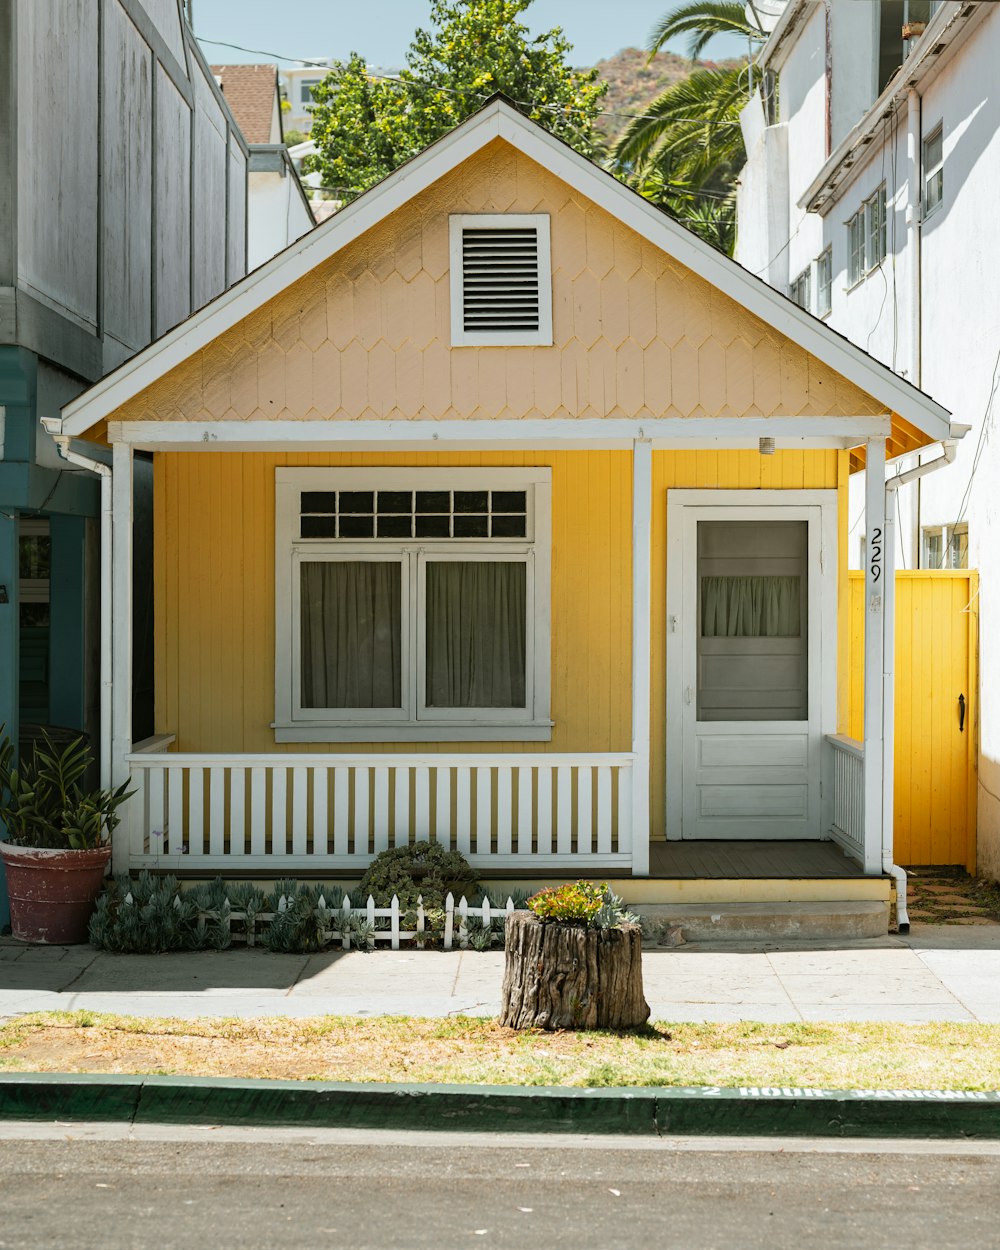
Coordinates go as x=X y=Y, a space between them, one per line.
x=949 y=447
x=913 y=214
x=107 y=625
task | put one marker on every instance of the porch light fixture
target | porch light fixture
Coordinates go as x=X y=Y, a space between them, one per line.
x=765 y=446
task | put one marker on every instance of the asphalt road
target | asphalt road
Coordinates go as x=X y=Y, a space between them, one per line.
x=111 y=1188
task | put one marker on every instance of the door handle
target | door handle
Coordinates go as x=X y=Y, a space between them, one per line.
x=688 y=695
x=961 y=713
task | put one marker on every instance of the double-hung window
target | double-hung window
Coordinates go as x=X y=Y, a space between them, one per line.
x=412 y=605
x=800 y=291
x=933 y=170
x=824 y=282
x=866 y=237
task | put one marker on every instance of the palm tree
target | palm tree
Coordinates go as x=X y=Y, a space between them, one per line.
x=686 y=149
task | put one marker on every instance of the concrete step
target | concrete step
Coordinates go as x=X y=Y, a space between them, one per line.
x=668 y=924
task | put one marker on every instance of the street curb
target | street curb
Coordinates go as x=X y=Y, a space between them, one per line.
x=642 y=1111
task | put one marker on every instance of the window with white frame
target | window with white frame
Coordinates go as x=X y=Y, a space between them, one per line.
x=946 y=546
x=933 y=170
x=501 y=280
x=412 y=604
x=866 y=237
x=306 y=89
x=824 y=282
x=800 y=289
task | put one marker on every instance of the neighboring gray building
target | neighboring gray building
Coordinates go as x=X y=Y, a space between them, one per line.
x=122 y=210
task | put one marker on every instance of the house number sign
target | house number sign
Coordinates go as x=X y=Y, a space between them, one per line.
x=875 y=555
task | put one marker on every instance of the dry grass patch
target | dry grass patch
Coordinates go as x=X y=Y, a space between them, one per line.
x=463 y=1050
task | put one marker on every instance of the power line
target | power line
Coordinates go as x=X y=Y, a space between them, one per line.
x=414 y=82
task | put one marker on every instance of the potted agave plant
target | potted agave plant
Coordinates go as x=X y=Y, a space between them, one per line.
x=59 y=839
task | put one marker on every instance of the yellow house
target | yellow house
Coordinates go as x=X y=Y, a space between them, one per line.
x=502 y=510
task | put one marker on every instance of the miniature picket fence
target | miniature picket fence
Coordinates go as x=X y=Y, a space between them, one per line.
x=393 y=935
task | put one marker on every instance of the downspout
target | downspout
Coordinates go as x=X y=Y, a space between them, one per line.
x=913 y=214
x=107 y=625
x=949 y=447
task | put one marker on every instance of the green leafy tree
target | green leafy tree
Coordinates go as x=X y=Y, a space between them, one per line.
x=686 y=150
x=365 y=126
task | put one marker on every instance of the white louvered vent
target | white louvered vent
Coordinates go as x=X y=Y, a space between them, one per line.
x=500 y=282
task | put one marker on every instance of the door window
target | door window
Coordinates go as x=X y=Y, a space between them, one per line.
x=752 y=621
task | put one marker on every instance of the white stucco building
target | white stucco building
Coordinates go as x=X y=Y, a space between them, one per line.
x=869 y=197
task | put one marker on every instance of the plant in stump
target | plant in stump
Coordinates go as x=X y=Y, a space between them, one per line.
x=574 y=961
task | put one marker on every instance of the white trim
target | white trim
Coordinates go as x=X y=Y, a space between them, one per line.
x=719 y=433
x=642 y=600
x=499 y=120
x=412 y=722
x=819 y=508
x=121 y=655
x=541 y=223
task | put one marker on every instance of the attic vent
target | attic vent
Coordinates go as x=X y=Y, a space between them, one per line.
x=501 y=286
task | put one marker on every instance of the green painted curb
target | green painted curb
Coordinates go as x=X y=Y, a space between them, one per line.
x=698 y=1111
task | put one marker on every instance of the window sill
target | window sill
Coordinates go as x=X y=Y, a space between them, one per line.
x=530 y=731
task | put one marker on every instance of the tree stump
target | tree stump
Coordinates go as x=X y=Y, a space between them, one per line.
x=564 y=976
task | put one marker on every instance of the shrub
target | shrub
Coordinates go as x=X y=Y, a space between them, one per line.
x=421 y=870
x=580 y=903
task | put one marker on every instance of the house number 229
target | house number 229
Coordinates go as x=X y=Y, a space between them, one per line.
x=876 y=555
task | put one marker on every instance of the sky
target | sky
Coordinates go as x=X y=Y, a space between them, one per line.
x=381 y=29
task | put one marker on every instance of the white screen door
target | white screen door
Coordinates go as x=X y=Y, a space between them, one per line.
x=752 y=609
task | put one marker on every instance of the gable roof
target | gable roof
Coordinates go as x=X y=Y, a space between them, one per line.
x=251 y=92
x=499 y=119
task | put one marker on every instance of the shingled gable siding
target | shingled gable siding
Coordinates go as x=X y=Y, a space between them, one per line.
x=367 y=334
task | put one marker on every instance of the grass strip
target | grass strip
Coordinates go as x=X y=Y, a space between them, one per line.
x=463 y=1050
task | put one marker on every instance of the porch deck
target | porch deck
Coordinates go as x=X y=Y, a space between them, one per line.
x=741 y=861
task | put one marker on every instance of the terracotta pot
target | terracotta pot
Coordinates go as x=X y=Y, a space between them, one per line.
x=52 y=892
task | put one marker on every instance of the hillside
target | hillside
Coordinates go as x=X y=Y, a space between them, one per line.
x=633 y=81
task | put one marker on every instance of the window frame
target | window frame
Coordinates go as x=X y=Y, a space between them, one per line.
x=824 y=285
x=305 y=91
x=876 y=229
x=867 y=233
x=801 y=289
x=935 y=172
x=541 y=223
x=413 y=721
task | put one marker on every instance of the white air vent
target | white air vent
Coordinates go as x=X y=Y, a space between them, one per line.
x=501 y=283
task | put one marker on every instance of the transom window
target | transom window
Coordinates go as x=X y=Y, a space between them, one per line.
x=412 y=604
x=352 y=514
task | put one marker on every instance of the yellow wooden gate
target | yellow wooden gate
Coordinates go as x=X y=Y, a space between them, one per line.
x=936 y=662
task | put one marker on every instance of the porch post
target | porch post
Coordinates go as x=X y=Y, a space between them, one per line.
x=875 y=591
x=642 y=507
x=121 y=655
x=889 y=680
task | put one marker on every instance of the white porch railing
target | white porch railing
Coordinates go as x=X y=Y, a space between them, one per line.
x=321 y=812
x=848 y=824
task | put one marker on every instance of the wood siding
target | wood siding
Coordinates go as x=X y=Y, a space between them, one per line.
x=367 y=334
x=936 y=660
x=215 y=611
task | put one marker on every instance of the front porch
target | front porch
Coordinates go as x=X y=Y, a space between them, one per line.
x=517 y=816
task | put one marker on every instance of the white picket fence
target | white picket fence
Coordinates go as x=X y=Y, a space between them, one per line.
x=456 y=922
x=287 y=813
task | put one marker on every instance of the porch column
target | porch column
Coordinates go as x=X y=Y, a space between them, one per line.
x=889 y=679
x=121 y=655
x=875 y=593
x=642 y=508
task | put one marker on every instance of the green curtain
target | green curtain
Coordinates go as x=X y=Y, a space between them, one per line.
x=750 y=607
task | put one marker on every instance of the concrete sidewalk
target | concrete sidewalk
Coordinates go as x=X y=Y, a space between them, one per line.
x=938 y=972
